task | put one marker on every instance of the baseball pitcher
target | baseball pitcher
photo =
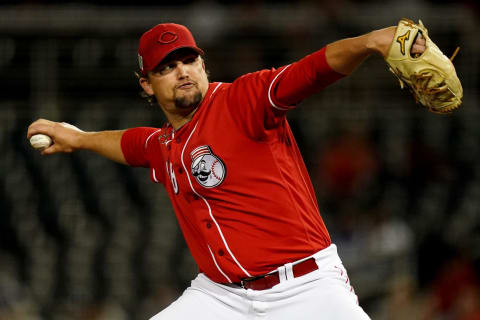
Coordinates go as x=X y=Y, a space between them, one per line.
x=235 y=176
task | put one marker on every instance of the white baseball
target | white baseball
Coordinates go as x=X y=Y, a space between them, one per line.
x=40 y=141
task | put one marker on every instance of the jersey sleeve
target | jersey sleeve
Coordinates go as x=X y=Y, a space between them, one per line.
x=302 y=79
x=258 y=101
x=135 y=146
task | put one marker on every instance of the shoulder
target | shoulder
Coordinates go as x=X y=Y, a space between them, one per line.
x=259 y=80
x=143 y=135
x=258 y=77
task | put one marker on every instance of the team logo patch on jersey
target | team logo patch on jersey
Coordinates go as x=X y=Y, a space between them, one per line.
x=207 y=168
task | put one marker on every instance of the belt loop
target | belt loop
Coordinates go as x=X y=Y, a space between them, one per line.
x=324 y=257
x=281 y=274
x=320 y=263
x=289 y=271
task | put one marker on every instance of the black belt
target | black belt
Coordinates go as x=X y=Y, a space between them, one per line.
x=269 y=280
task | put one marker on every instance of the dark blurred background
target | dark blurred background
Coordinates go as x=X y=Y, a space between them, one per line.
x=85 y=238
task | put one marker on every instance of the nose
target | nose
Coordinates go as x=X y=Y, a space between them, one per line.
x=182 y=70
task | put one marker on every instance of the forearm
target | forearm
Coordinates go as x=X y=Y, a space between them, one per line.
x=105 y=143
x=344 y=56
x=68 y=138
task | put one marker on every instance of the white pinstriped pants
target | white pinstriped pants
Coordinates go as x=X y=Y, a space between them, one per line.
x=324 y=294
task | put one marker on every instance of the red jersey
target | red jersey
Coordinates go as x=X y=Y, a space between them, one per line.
x=237 y=182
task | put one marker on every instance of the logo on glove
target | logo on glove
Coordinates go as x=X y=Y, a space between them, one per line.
x=402 y=39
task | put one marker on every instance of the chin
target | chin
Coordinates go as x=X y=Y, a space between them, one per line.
x=190 y=100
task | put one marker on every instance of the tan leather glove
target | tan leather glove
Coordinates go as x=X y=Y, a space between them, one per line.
x=430 y=76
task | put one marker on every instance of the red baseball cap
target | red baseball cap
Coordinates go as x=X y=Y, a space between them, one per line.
x=158 y=42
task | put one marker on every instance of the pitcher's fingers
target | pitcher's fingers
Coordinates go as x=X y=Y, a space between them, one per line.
x=417 y=49
x=420 y=40
x=54 y=148
x=39 y=127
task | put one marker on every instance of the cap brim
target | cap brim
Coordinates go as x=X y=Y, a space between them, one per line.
x=167 y=53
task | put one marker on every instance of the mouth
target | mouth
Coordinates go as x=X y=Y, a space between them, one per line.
x=186 y=85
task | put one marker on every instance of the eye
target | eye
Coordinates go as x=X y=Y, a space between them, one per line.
x=166 y=68
x=190 y=60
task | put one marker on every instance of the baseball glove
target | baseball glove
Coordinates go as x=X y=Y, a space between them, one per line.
x=431 y=76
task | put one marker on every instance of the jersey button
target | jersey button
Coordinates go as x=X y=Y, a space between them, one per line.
x=168 y=147
x=220 y=252
x=209 y=225
x=178 y=140
x=180 y=170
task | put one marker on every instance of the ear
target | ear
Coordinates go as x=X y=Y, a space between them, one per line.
x=146 y=85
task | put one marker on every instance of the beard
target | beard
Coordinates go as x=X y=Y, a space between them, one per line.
x=188 y=101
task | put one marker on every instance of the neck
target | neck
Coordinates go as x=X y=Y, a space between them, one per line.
x=178 y=116
x=177 y=120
